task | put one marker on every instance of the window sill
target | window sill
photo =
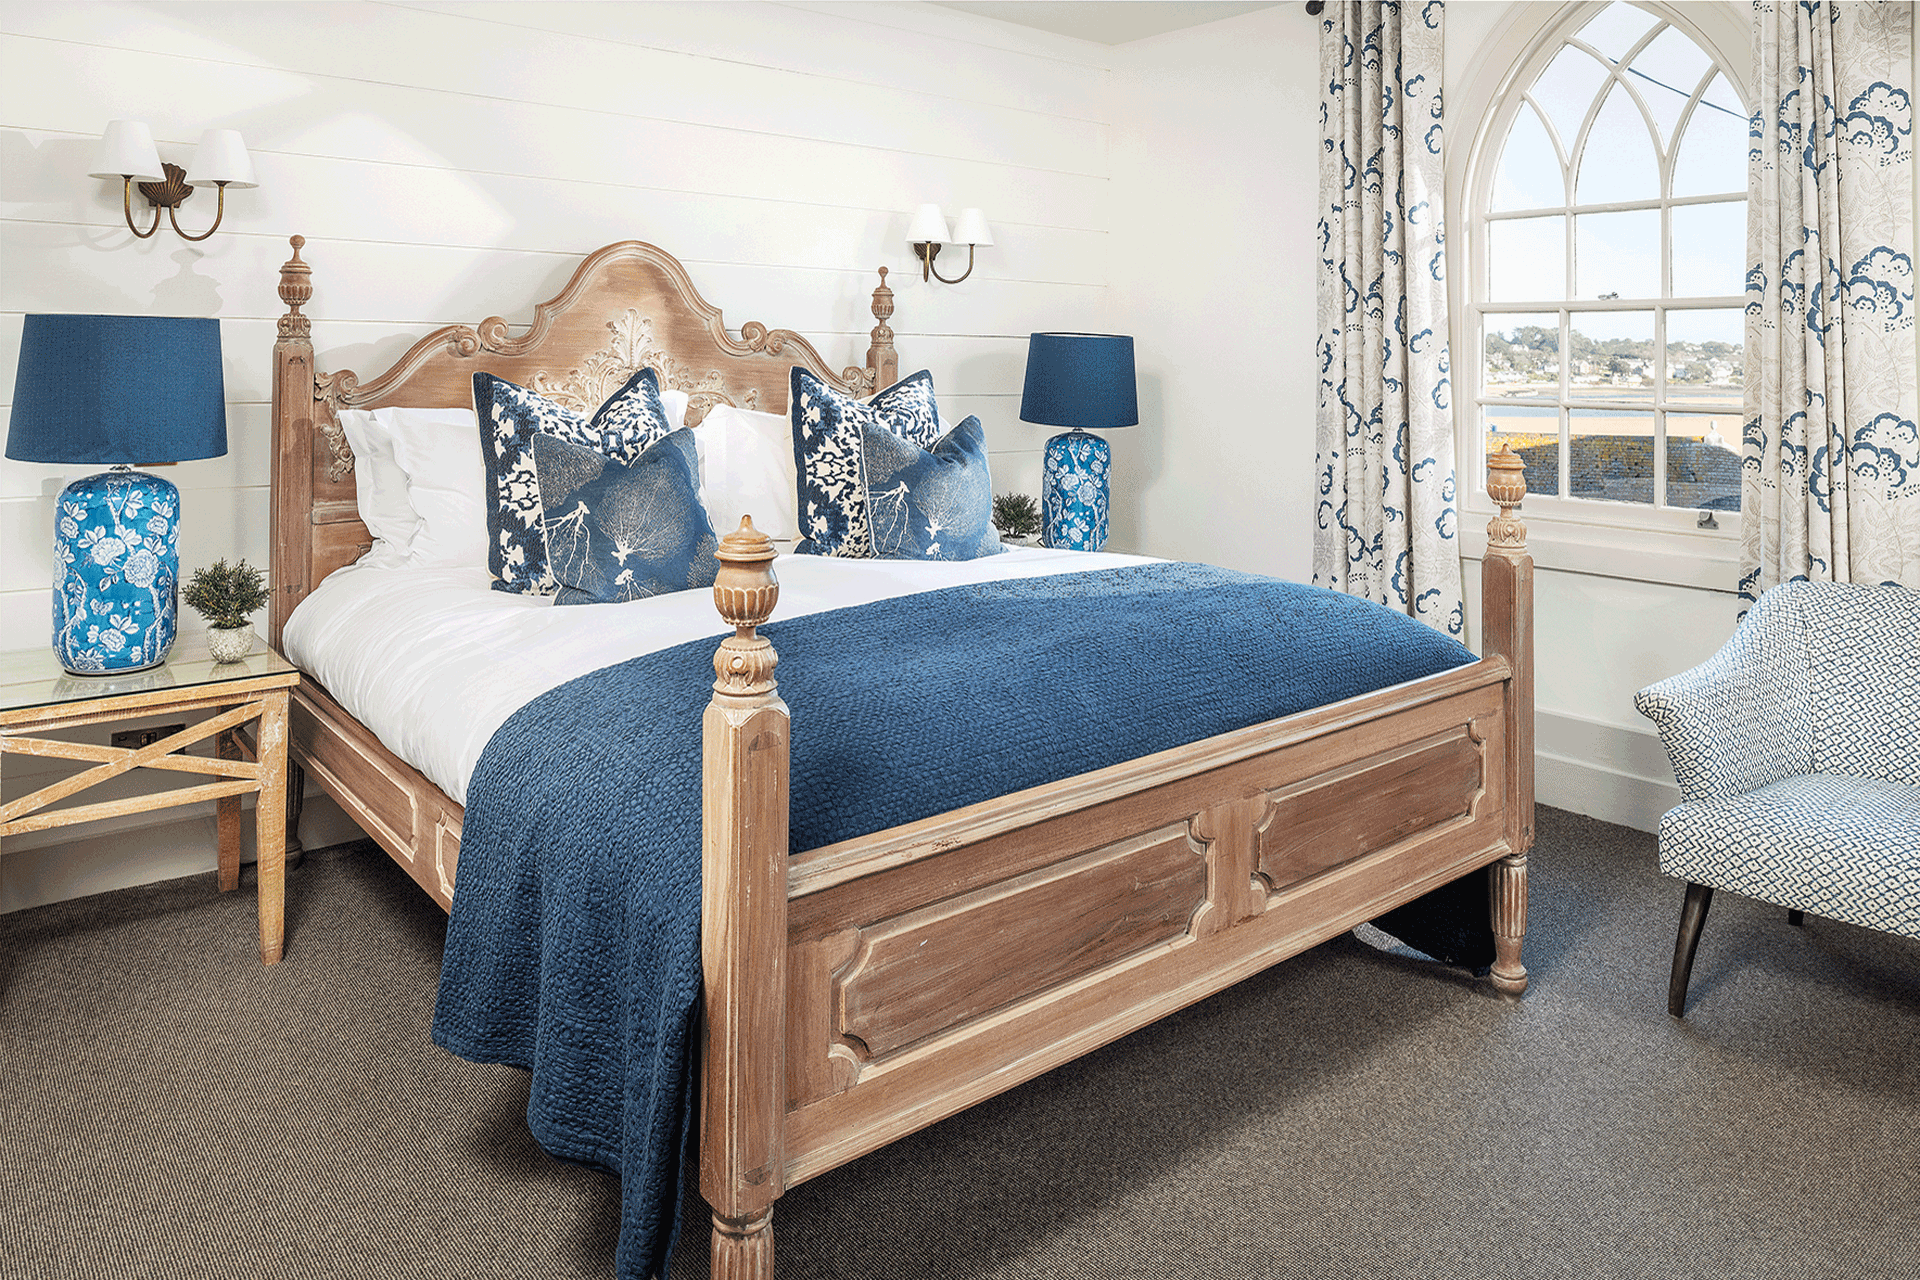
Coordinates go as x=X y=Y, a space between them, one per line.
x=1706 y=559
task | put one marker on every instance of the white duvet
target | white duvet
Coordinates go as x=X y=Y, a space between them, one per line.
x=434 y=660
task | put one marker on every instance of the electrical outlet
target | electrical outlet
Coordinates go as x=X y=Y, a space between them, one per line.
x=134 y=739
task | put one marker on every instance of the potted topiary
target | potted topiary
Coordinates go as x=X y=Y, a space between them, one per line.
x=225 y=595
x=1017 y=517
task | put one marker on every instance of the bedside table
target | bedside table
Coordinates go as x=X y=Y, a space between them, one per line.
x=248 y=726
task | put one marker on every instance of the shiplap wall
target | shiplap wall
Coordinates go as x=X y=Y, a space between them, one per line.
x=448 y=162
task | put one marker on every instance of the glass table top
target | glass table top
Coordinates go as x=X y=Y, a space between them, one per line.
x=34 y=677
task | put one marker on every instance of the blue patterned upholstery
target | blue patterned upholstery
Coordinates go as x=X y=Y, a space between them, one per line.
x=1798 y=756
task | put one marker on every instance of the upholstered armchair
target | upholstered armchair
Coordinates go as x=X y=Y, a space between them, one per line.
x=1797 y=751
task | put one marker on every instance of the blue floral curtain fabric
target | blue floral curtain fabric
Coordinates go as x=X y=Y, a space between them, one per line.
x=1386 y=524
x=1830 y=487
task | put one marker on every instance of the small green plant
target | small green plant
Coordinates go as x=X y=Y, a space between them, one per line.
x=225 y=594
x=1016 y=515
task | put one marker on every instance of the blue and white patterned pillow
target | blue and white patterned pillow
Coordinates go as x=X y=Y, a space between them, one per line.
x=827 y=454
x=510 y=416
x=624 y=531
x=930 y=504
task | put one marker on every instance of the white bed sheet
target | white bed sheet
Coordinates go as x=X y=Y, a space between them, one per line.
x=434 y=660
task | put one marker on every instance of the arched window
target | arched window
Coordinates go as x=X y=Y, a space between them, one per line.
x=1607 y=210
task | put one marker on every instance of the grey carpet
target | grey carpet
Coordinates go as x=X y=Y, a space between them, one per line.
x=168 y=1108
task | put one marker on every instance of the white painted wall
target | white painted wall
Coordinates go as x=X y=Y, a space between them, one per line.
x=1215 y=155
x=449 y=161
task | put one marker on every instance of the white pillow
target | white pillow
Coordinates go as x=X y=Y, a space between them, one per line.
x=746 y=468
x=380 y=488
x=675 y=403
x=439 y=449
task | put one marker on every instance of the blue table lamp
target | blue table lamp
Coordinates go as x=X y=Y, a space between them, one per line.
x=1081 y=381
x=111 y=391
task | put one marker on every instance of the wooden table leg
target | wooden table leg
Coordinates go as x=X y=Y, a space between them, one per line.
x=228 y=809
x=270 y=824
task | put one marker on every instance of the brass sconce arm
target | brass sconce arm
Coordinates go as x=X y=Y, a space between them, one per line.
x=170 y=195
x=928 y=251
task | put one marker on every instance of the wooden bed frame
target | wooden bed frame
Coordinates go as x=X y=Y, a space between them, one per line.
x=858 y=992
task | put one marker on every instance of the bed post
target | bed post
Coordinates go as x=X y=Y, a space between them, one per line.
x=743 y=922
x=291 y=494
x=1506 y=622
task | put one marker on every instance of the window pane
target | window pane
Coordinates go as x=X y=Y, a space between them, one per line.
x=1615 y=28
x=1527 y=259
x=1713 y=146
x=1522 y=357
x=1617 y=255
x=1706 y=360
x=1618 y=162
x=1610 y=357
x=1703 y=460
x=1566 y=89
x=1709 y=249
x=1666 y=73
x=1530 y=176
x=1611 y=455
x=1533 y=432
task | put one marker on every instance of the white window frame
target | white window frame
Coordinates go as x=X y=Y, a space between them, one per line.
x=1645 y=544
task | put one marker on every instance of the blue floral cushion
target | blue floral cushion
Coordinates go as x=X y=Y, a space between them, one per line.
x=929 y=504
x=510 y=416
x=827 y=427
x=624 y=531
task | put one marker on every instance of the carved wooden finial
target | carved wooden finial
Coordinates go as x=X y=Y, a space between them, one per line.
x=745 y=592
x=883 y=362
x=296 y=290
x=1507 y=486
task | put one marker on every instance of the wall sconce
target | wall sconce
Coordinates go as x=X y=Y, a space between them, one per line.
x=127 y=153
x=928 y=231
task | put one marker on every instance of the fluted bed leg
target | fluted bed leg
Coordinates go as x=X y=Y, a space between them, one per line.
x=743 y=1249
x=1506 y=623
x=743 y=922
x=1509 y=890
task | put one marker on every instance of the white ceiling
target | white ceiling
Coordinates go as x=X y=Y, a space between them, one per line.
x=1105 y=21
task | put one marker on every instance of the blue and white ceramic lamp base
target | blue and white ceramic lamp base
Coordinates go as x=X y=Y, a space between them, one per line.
x=1073 y=499
x=116 y=572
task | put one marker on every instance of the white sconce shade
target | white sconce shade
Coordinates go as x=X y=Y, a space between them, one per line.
x=221 y=157
x=928 y=226
x=127 y=151
x=972 y=229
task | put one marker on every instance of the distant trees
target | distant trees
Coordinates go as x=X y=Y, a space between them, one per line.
x=1532 y=353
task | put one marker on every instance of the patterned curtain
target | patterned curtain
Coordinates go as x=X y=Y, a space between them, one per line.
x=1830 y=486
x=1385 y=525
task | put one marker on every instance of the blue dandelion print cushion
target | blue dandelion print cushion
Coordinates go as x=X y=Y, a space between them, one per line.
x=623 y=530
x=929 y=504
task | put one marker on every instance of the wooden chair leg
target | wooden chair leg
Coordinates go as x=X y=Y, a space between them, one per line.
x=1693 y=914
x=1796 y=918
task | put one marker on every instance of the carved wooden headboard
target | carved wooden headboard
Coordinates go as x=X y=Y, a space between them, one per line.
x=629 y=306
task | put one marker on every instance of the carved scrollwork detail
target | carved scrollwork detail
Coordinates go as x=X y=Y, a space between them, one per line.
x=630 y=348
x=342 y=464
x=493 y=335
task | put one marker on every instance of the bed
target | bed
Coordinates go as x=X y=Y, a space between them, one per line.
x=1060 y=916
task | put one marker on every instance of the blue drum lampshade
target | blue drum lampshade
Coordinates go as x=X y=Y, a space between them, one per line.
x=1081 y=381
x=115 y=391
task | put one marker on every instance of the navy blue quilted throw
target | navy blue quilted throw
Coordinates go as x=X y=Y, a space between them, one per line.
x=573 y=950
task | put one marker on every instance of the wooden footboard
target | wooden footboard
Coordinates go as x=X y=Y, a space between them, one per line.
x=902 y=977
